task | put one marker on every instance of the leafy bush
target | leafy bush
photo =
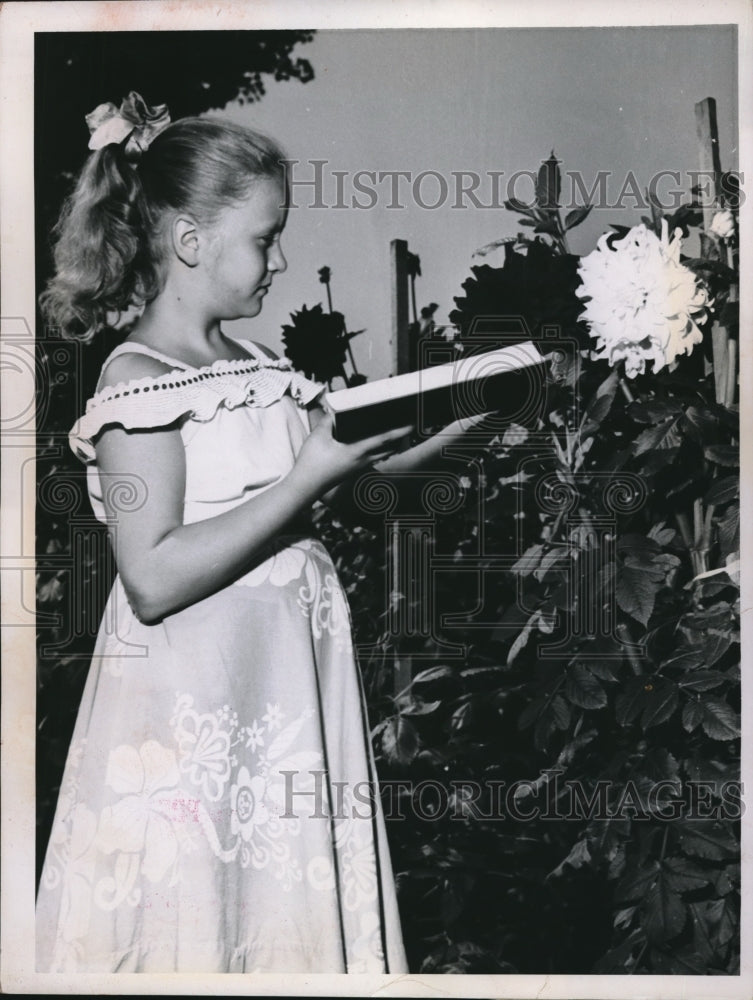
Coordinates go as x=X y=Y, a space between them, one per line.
x=565 y=797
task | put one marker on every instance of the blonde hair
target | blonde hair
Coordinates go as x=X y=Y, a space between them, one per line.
x=109 y=247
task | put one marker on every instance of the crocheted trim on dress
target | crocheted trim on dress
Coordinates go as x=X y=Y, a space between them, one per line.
x=195 y=393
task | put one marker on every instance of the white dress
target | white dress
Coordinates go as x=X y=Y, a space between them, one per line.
x=218 y=811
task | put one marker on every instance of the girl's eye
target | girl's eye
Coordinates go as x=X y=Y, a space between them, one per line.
x=267 y=241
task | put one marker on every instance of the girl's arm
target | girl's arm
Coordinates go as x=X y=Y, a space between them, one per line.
x=164 y=564
x=423 y=456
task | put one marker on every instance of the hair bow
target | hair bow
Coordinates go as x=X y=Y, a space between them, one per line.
x=134 y=121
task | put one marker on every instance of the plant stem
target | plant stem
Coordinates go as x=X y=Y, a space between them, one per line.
x=706 y=536
x=697 y=521
x=627 y=645
x=664 y=844
x=626 y=392
x=562 y=234
x=684 y=525
x=731 y=373
x=638 y=959
x=719 y=343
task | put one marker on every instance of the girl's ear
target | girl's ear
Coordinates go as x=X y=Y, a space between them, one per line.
x=185 y=237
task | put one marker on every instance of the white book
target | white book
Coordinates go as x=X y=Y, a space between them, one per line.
x=499 y=381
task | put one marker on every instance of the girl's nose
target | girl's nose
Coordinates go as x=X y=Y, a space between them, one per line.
x=276 y=260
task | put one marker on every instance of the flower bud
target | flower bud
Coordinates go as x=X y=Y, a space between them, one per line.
x=723 y=224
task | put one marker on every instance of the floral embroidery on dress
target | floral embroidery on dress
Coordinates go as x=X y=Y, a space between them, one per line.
x=204 y=747
x=355 y=850
x=142 y=823
x=368 y=955
x=79 y=859
x=321 y=598
x=59 y=845
x=247 y=807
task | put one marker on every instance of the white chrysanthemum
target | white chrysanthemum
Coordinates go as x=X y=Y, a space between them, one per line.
x=644 y=304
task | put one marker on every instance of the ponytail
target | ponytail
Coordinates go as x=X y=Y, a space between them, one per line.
x=109 y=251
x=101 y=237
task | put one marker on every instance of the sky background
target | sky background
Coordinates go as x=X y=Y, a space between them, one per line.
x=615 y=99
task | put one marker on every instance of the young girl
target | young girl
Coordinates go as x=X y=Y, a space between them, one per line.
x=212 y=815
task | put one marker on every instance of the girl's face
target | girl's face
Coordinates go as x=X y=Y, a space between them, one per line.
x=243 y=251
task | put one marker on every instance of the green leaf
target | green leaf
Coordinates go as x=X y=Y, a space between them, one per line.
x=654 y=411
x=547 y=226
x=692 y=714
x=702 y=680
x=714 y=773
x=462 y=717
x=659 y=765
x=676 y=963
x=684 y=661
x=528 y=562
x=578 y=857
x=576 y=216
x=662 y=535
x=662 y=702
x=515 y=205
x=636 y=592
x=636 y=882
x=523 y=637
x=603 y=670
x=720 y=722
x=663 y=436
x=665 y=912
x=684 y=876
x=420 y=708
x=702 y=913
x=723 y=490
x=433 y=674
x=714 y=647
x=542 y=731
x=708 y=839
x=600 y=406
x=631 y=702
x=561 y=712
x=723 y=454
x=552 y=557
x=686 y=215
x=583 y=689
x=622 y=958
x=399 y=741
x=494 y=245
x=729 y=530
x=530 y=713
x=729 y=921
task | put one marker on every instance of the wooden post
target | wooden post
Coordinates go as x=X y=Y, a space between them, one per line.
x=400 y=351
x=399 y=344
x=708 y=155
x=710 y=165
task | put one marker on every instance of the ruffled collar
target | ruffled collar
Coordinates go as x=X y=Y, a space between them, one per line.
x=179 y=377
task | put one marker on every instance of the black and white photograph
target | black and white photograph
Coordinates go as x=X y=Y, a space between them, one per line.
x=374 y=395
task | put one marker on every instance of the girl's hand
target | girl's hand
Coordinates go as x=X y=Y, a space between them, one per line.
x=324 y=462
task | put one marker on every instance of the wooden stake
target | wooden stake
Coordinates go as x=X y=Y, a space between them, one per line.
x=731 y=380
x=400 y=320
x=719 y=346
x=708 y=157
